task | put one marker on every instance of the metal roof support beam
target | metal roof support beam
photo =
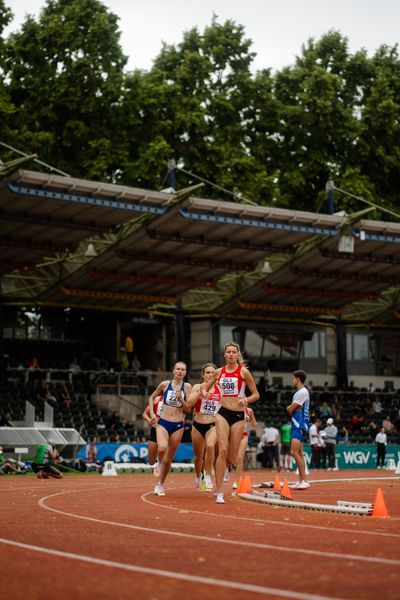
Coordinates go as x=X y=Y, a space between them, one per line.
x=182 y=239
x=327 y=231
x=345 y=276
x=184 y=260
x=85 y=200
x=48 y=222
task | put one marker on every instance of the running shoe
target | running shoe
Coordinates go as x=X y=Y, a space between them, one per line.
x=156 y=469
x=159 y=490
x=198 y=481
x=220 y=498
x=303 y=485
x=294 y=485
x=208 y=484
x=226 y=475
x=234 y=486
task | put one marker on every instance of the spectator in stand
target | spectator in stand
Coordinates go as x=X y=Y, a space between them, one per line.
x=270 y=440
x=371 y=429
x=381 y=443
x=114 y=422
x=387 y=424
x=5 y=420
x=324 y=410
x=330 y=443
x=64 y=395
x=74 y=366
x=33 y=364
x=315 y=443
x=371 y=388
x=44 y=395
x=355 y=424
x=160 y=353
x=377 y=406
x=128 y=345
x=136 y=364
x=343 y=435
x=286 y=437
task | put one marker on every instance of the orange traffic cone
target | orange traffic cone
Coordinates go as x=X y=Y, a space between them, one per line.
x=285 y=491
x=277 y=484
x=380 y=509
x=248 y=485
x=241 y=486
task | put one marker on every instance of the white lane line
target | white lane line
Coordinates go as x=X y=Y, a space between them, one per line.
x=203 y=538
x=269 y=521
x=235 y=585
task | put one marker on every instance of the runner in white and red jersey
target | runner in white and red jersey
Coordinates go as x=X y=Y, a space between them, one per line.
x=152 y=443
x=233 y=379
x=204 y=435
x=244 y=443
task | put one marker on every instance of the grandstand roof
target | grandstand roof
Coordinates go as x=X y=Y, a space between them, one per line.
x=157 y=251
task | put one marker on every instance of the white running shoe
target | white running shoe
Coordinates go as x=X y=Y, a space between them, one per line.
x=198 y=481
x=220 y=498
x=159 y=490
x=303 y=485
x=234 y=486
x=156 y=469
x=208 y=484
x=226 y=475
x=294 y=486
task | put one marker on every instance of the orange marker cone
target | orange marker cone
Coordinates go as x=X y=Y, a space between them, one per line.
x=240 y=487
x=248 y=485
x=380 y=509
x=277 y=484
x=285 y=492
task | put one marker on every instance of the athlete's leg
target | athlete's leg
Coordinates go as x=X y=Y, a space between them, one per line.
x=240 y=457
x=296 y=450
x=199 y=444
x=174 y=441
x=152 y=452
x=223 y=431
x=211 y=440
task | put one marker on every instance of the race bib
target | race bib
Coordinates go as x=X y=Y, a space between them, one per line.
x=173 y=400
x=209 y=407
x=229 y=386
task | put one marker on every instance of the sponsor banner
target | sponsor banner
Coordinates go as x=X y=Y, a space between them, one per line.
x=128 y=453
x=348 y=457
x=358 y=456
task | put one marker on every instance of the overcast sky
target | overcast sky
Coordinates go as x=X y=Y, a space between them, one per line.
x=277 y=28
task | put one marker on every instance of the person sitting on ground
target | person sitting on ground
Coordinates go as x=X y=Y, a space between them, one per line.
x=6 y=466
x=45 y=459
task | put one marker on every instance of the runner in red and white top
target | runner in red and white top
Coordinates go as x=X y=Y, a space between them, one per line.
x=204 y=435
x=233 y=379
x=244 y=443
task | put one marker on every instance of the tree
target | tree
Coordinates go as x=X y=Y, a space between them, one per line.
x=6 y=106
x=66 y=77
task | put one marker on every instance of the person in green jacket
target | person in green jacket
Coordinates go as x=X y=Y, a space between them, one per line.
x=44 y=462
x=286 y=436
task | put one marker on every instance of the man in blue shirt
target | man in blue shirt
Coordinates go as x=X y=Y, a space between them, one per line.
x=299 y=410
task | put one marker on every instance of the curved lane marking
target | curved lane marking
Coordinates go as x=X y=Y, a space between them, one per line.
x=246 y=544
x=235 y=585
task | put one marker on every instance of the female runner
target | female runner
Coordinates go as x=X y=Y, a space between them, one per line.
x=229 y=422
x=244 y=442
x=152 y=443
x=204 y=435
x=169 y=427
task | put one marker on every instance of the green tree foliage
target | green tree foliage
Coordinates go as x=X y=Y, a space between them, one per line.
x=66 y=77
x=6 y=106
x=275 y=139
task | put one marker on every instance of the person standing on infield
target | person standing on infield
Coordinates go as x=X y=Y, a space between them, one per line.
x=299 y=410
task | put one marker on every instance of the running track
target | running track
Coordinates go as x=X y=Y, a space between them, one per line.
x=109 y=537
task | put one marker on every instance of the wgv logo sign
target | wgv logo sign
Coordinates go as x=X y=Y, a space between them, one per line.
x=356 y=457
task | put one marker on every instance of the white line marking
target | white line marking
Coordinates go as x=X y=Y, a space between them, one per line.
x=269 y=521
x=203 y=538
x=236 y=585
